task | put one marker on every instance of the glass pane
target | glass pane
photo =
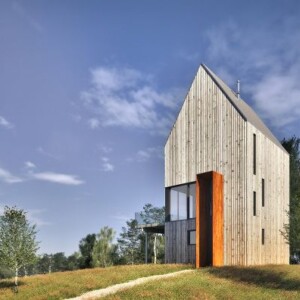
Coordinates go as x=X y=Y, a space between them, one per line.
x=192 y=200
x=173 y=205
x=182 y=202
x=192 y=237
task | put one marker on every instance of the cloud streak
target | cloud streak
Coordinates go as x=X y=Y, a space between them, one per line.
x=66 y=179
x=6 y=124
x=7 y=177
x=125 y=97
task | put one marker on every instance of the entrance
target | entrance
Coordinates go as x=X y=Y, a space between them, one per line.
x=209 y=220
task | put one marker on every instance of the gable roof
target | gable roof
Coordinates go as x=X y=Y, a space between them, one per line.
x=243 y=108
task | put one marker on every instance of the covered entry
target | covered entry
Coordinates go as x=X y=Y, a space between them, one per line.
x=209 y=220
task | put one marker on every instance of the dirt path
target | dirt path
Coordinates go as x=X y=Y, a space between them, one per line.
x=126 y=285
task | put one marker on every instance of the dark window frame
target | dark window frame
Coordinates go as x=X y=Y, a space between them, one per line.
x=263 y=236
x=189 y=237
x=263 y=192
x=254 y=153
x=254 y=203
x=168 y=204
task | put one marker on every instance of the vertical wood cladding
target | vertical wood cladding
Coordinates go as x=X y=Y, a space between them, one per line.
x=177 y=249
x=211 y=135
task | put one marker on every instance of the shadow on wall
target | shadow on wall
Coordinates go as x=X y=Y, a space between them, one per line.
x=272 y=277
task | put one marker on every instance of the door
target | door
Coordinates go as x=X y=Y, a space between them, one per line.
x=209 y=220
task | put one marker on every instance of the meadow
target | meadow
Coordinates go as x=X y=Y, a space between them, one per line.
x=267 y=282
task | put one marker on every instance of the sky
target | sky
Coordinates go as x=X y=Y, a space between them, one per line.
x=90 y=89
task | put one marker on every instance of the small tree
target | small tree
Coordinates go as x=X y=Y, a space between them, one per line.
x=130 y=243
x=152 y=214
x=86 y=246
x=103 y=248
x=291 y=231
x=17 y=240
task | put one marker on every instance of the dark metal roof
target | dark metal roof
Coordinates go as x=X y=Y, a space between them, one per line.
x=243 y=108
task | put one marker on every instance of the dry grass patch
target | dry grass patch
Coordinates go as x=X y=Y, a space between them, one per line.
x=268 y=282
x=70 y=284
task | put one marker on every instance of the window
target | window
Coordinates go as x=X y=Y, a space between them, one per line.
x=192 y=200
x=263 y=192
x=178 y=203
x=181 y=202
x=254 y=154
x=254 y=203
x=192 y=237
x=262 y=236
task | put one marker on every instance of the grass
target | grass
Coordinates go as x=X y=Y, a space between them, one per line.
x=63 y=285
x=268 y=282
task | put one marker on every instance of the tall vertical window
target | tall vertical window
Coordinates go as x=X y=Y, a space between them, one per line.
x=178 y=203
x=262 y=236
x=192 y=200
x=254 y=203
x=191 y=237
x=254 y=154
x=263 y=192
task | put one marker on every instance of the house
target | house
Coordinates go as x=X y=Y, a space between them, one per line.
x=226 y=182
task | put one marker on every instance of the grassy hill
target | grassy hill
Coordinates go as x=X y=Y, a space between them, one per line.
x=63 y=285
x=268 y=282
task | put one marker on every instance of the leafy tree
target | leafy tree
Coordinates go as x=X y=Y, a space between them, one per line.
x=292 y=230
x=44 y=264
x=152 y=214
x=86 y=246
x=59 y=262
x=73 y=261
x=130 y=243
x=18 y=244
x=103 y=248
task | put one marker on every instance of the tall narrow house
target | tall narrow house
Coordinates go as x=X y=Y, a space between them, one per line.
x=226 y=180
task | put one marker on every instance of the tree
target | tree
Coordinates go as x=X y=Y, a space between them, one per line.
x=103 y=248
x=292 y=230
x=18 y=244
x=130 y=243
x=86 y=246
x=152 y=214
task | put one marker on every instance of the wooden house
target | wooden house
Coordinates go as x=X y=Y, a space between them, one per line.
x=226 y=181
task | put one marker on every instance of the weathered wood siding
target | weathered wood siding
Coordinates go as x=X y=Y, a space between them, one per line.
x=210 y=135
x=176 y=240
x=272 y=164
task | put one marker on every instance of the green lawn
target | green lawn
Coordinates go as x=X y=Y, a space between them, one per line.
x=70 y=284
x=269 y=282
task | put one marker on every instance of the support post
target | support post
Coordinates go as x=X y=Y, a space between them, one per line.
x=146 y=247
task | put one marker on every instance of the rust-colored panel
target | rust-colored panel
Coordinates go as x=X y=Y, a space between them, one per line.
x=218 y=220
x=209 y=220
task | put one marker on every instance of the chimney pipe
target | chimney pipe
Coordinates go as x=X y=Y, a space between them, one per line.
x=238 y=89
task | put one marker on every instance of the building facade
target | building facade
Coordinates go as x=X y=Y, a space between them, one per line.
x=226 y=181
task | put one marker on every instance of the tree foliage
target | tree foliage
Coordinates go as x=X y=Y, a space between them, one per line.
x=103 y=247
x=86 y=246
x=18 y=244
x=130 y=243
x=292 y=230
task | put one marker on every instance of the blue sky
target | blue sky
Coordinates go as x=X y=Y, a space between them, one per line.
x=90 y=89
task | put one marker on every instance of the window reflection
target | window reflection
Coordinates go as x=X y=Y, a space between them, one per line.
x=182 y=202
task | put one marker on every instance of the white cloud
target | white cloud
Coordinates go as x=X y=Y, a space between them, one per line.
x=29 y=165
x=58 y=178
x=42 y=151
x=125 y=97
x=147 y=154
x=107 y=166
x=7 y=177
x=4 y=123
x=34 y=217
x=268 y=67
x=93 y=123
